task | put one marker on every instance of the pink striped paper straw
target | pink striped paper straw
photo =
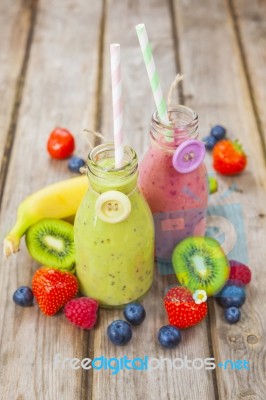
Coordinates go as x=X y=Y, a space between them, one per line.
x=117 y=104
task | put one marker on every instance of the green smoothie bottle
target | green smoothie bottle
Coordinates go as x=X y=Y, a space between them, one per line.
x=114 y=232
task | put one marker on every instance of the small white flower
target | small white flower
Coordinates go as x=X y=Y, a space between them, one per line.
x=199 y=296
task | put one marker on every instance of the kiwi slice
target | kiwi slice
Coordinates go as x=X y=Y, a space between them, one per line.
x=200 y=263
x=51 y=243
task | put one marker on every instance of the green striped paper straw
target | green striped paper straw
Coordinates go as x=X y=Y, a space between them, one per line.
x=152 y=73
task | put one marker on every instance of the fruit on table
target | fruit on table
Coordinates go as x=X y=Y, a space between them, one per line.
x=200 y=263
x=213 y=184
x=75 y=163
x=59 y=200
x=134 y=313
x=218 y=132
x=181 y=308
x=61 y=143
x=240 y=274
x=232 y=315
x=169 y=336
x=51 y=243
x=82 y=312
x=229 y=157
x=23 y=296
x=119 y=332
x=53 y=289
x=209 y=142
x=231 y=296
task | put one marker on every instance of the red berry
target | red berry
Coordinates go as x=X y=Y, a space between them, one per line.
x=61 y=143
x=53 y=289
x=181 y=308
x=240 y=274
x=82 y=312
x=229 y=157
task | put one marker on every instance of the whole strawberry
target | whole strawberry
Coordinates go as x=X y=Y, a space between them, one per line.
x=229 y=157
x=240 y=274
x=82 y=312
x=53 y=289
x=183 y=312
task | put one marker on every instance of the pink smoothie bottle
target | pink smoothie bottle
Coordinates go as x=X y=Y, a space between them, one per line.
x=173 y=179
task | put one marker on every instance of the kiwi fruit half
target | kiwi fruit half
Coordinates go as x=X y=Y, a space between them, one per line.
x=200 y=264
x=51 y=243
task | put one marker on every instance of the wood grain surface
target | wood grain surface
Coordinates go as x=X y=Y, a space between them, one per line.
x=60 y=90
x=16 y=22
x=55 y=71
x=221 y=95
x=251 y=29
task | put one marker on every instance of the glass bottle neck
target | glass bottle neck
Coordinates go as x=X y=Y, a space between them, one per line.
x=103 y=175
x=183 y=125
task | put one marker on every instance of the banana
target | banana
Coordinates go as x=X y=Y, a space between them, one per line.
x=60 y=200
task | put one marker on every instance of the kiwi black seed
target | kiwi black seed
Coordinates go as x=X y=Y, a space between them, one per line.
x=51 y=243
x=200 y=264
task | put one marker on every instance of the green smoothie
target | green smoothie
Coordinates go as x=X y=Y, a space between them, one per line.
x=114 y=261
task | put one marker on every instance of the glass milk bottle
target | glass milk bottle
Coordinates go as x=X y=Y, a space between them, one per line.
x=114 y=232
x=173 y=179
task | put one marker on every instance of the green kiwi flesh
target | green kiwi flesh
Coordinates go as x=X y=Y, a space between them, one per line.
x=51 y=243
x=200 y=264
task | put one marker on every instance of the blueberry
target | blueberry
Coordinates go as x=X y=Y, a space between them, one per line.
x=75 y=163
x=23 y=296
x=134 y=313
x=231 y=296
x=119 y=332
x=210 y=142
x=232 y=315
x=218 y=132
x=169 y=336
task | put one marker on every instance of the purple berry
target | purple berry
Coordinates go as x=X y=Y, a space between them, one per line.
x=75 y=163
x=119 y=332
x=231 y=296
x=169 y=336
x=232 y=315
x=23 y=296
x=218 y=132
x=134 y=313
x=209 y=142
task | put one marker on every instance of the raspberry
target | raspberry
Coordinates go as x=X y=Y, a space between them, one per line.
x=240 y=274
x=82 y=312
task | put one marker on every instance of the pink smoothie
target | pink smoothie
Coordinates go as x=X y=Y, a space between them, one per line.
x=178 y=201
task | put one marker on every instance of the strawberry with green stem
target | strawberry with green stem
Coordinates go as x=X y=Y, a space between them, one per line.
x=182 y=309
x=229 y=157
x=53 y=289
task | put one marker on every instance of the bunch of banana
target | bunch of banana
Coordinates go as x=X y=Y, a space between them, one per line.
x=60 y=200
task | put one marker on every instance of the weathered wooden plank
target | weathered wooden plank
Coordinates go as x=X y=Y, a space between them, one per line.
x=15 y=27
x=139 y=105
x=216 y=87
x=250 y=20
x=60 y=90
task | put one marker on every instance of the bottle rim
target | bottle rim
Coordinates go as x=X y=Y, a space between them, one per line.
x=179 y=108
x=183 y=126
x=181 y=118
x=105 y=151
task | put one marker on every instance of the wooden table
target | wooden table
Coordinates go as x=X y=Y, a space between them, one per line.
x=55 y=70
